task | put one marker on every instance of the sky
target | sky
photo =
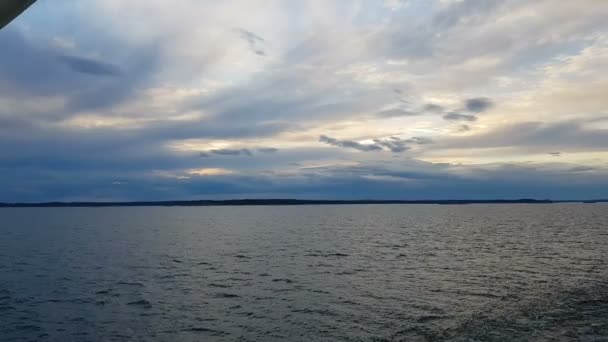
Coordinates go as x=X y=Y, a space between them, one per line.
x=113 y=100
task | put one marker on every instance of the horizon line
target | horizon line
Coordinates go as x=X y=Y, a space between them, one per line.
x=286 y=202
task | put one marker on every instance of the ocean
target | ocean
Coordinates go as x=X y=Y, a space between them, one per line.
x=516 y=272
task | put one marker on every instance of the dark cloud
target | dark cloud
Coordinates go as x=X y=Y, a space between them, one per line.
x=83 y=165
x=419 y=141
x=32 y=67
x=232 y=152
x=253 y=40
x=474 y=105
x=583 y=169
x=143 y=64
x=555 y=154
x=249 y=36
x=464 y=128
x=396 y=112
x=478 y=105
x=238 y=152
x=394 y=144
x=90 y=66
x=453 y=116
x=267 y=150
x=349 y=144
x=433 y=108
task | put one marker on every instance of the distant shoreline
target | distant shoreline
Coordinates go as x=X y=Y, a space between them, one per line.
x=290 y=202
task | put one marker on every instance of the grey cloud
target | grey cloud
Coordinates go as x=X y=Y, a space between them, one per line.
x=286 y=95
x=143 y=65
x=555 y=154
x=453 y=116
x=419 y=141
x=30 y=67
x=480 y=181
x=232 y=152
x=406 y=42
x=454 y=13
x=394 y=144
x=84 y=163
x=464 y=128
x=267 y=150
x=582 y=169
x=249 y=36
x=414 y=180
x=474 y=105
x=478 y=105
x=238 y=152
x=415 y=40
x=349 y=144
x=411 y=169
x=90 y=66
x=567 y=136
x=396 y=112
x=253 y=40
x=217 y=128
x=433 y=108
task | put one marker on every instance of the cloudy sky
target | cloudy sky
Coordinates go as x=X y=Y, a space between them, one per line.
x=412 y=99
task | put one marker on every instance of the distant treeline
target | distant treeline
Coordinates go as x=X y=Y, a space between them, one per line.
x=240 y=202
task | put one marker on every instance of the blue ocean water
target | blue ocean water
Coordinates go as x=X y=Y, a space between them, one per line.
x=305 y=273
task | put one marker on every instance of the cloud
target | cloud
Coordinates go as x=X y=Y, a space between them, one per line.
x=475 y=105
x=478 y=105
x=31 y=68
x=238 y=152
x=396 y=112
x=583 y=169
x=567 y=136
x=433 y=108
x=458 y=11
x=81 y=109
x=90 y=66
x=429 y=108
x=464 y=128
x=349 y=144
x=253 y=40
x=232 y=152
x=419 y=141
x=393 y=144
x=394 y=5
x=453 y=116
x=267 y=150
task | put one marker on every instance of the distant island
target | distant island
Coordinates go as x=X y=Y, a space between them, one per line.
x=262 y=202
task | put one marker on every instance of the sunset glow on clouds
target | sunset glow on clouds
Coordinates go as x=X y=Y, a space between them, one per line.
x=412 y=99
